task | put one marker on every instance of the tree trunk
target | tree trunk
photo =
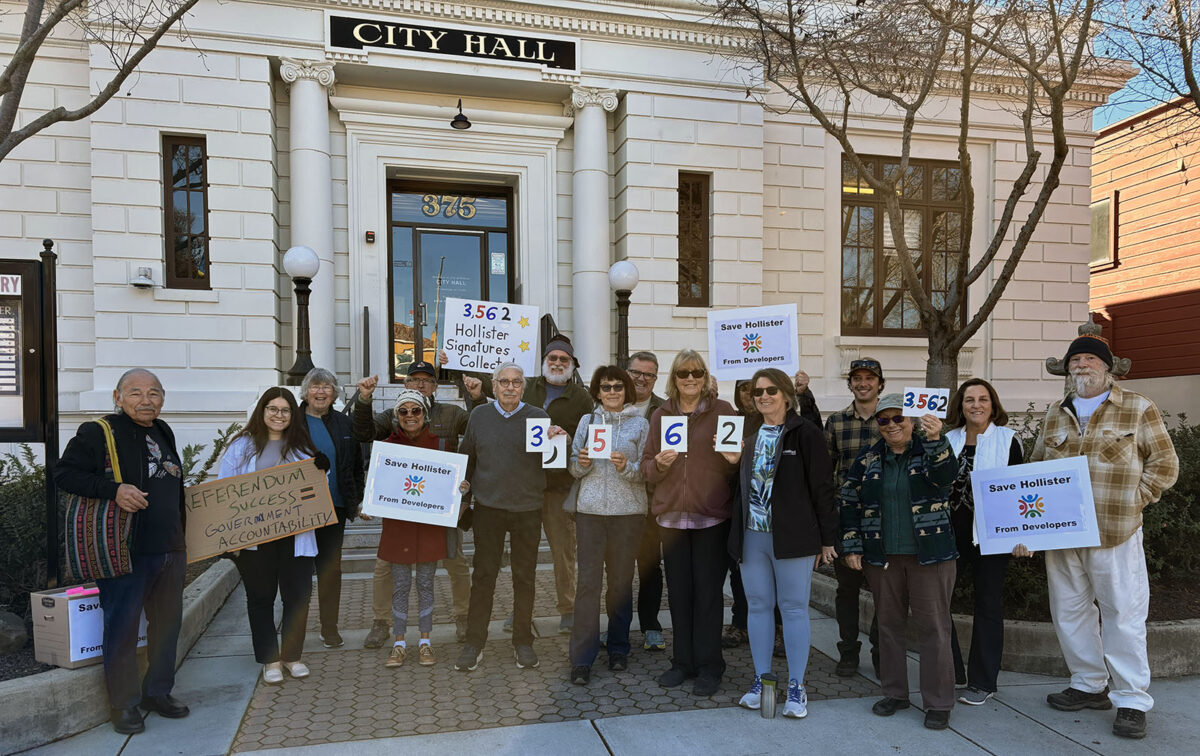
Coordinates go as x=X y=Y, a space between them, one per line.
x=942 y=369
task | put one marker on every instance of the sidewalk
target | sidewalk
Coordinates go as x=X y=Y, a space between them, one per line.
x=352 y=704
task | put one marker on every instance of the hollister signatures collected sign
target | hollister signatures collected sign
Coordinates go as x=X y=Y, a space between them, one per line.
x=1043 y=505
x=481 y=336
x=246 y=510
x=414 y=484
x=748 y=339
x=356 y=33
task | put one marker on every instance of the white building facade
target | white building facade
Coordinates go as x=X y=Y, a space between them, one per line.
x=600 y=131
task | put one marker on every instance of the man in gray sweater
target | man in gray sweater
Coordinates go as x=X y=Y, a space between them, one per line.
x=508 y=485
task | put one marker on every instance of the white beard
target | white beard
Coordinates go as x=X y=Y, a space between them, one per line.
x=557 y=379
x=1090 y=382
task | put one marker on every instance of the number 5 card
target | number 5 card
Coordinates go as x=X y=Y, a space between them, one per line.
x=599 y=441
x=675 y=434
x=926 y=401
x=729 y=433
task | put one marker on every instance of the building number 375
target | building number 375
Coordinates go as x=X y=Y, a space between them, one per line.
x=449 y=205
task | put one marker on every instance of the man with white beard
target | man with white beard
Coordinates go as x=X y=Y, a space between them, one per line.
x=1131 y=461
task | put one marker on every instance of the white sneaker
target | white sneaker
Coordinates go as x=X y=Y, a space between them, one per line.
x=753 y=697
x=296 y=669
x=272 y=674
x=797 y=701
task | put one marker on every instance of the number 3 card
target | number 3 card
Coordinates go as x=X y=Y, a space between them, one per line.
x=926 y=401
x=599 y=441
x=675 y=434
x=537 y=432
x=729 y=433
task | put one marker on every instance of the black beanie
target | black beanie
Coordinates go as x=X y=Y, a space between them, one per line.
x=1090 y=345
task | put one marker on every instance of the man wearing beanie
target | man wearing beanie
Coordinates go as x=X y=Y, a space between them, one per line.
x=1131 y=461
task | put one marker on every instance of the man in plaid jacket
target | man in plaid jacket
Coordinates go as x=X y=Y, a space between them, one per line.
x=1131 y=461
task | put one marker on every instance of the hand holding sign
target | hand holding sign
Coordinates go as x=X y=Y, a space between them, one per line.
x=599 y=441
x=675 y=434
x=555 y=456
x=921 y=400
x=537 y=434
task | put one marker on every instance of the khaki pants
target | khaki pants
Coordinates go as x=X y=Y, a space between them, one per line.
x=560 y=532
x=460 y=588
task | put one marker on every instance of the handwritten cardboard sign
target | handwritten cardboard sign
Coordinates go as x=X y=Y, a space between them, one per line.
x=479 y=336
x=414 y=484
x=258 y=507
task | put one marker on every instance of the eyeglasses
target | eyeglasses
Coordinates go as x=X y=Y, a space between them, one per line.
x=769 y=391
x=638 y=375
x=611 y=387
x=320 y=388
x=278 y=411
x=415 y=412
x=883 y=421
x=564 y=359
x=696 y=373
x=509 y=382
x=419 y=379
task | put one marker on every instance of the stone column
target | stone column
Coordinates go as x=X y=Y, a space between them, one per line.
x=591 y=241
x=311 y=184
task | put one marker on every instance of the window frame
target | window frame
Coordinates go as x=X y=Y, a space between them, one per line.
x=927 y=207
x=1112 y=259
x=705 y=179
x=170 y=279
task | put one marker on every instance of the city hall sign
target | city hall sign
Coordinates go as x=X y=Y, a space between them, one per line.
x=357 y=33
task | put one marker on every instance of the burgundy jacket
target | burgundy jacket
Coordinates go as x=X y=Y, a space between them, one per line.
x=700 y=480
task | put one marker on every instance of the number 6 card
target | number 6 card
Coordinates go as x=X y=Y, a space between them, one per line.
x=537 y=432
x=729 y=433
x=926 y=401
x=599 y=441
x=675 y=434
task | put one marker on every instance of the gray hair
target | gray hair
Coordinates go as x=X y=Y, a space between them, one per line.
x=321 y=377
x=137 y=371
x=644 y=357
x=508 y=366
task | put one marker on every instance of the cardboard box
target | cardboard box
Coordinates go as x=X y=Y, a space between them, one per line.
x=68 y=628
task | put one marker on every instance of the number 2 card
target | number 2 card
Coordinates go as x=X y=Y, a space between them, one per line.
x=926 y=401
x=729 y=433
x=675 y=434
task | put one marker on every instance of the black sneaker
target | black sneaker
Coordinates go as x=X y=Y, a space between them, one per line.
x=1073 y=699
x=1130 y=723
x=847 y=666
x=886 y=707
x=937 y=720
x=673 y=677
x=468 y=658
x=581 y=675
x=331 y=638
x=526 y=658
x=618 y=662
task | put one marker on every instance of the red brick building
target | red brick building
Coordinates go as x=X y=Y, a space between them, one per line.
x=1145 y=272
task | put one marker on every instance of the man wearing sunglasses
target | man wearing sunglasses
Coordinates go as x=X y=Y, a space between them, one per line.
x=848 y=432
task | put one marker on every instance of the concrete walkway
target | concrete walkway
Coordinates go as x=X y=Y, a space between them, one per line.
x=219 y=678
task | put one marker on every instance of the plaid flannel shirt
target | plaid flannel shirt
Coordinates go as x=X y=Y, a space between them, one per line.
x=847 y=434
x=1130 y=457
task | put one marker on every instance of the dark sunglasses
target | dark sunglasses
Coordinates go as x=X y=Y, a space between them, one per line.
x=883 y=421
x=696 y=373
x=613 y=387
x=415 y=411
x=769 y=390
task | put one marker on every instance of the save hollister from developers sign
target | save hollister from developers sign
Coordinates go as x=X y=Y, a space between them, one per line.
x=1043 y=505
x=414 y=484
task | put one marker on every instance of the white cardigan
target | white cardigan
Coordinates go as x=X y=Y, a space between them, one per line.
x=240 y=458
x=991 y=451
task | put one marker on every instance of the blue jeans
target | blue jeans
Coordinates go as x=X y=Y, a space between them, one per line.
x=156 y=585
x=604 y=544
x=768 y=581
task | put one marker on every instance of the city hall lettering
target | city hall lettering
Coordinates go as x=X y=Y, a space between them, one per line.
x=357 y=33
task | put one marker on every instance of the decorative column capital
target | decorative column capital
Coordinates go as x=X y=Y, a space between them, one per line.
x=320 y=71
x=582 y=97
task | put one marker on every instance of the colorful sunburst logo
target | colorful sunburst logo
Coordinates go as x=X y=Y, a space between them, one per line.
x=752 y=342
x=1031 y=505
x=414 y=484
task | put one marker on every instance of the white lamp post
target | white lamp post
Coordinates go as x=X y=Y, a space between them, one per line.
x=623 y=278
x=301 y=264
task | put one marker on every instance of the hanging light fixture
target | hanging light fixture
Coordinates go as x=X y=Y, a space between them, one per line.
x=460 y=121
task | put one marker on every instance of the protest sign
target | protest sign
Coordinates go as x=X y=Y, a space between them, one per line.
x=480 y=336
x=414 y=484
x=744 y=340
x=675 y=433
x=599 y=441
x=1043 y=505
x=925 y=401
x=555 y=458
x=537 y=432
x=729 y=433
x=246 y=510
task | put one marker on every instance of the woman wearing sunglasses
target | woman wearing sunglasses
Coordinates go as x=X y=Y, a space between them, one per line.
x=610 y=513
x=784 y=523
x=410 y=546
x=895 y=522
x=275 y=434
x=692 y=504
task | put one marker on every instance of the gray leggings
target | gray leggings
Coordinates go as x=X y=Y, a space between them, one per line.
x=401 y=583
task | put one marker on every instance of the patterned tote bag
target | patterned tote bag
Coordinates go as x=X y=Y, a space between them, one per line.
x=97 y=532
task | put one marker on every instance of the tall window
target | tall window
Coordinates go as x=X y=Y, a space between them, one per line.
x=874 y=299
x=185 y=212
x=694 y=246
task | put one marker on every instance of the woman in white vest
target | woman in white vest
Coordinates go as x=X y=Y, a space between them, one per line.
x=980 y=441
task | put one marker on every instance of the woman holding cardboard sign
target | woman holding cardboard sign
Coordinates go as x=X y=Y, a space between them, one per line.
x=606 y=458
x=692 y=504
x=980 y=442
x=275 y=434
x=410 y=546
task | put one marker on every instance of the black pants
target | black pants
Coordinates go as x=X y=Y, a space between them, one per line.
x=606 y=545
x=650 y=577
x=987 y=626
x=525 y=531
x=696 y=561
x=269 y=570
x=849 y=583
x=328 y=565
x=155 y=585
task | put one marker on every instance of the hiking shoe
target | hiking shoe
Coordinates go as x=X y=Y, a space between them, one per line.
x=673 y=677
x=468 y=658
x=581 y=675
x=973 y=696
x=797 y=701
x=847 y=666
x=937 y=720
x=508 y=623
x=753 y=697
x=525 y=657
x=425 y=655
x=378 y=635
x=460 y=629
x=1130 y=723
x=886 y=707
x=565 y=623
x=1073 y=699
x=734 y=637
x=331 y=638
x=396 y=657
x=655 y=641
x=618 y=662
